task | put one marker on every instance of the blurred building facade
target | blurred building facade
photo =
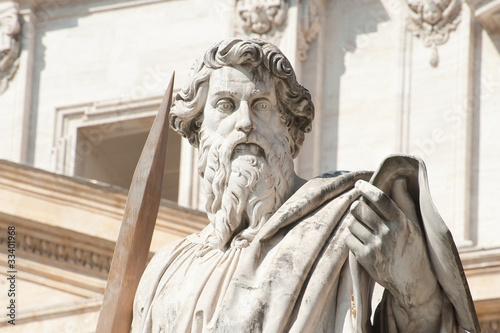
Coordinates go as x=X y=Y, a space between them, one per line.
x=80 y=83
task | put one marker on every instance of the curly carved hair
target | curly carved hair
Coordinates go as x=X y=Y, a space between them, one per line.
x=294 y=101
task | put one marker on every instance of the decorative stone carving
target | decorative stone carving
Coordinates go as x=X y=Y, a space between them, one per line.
x=432 y=21
x=9 y=44
x=54 y=247
x=312 y=19
x=264 y=19
x=68 y=254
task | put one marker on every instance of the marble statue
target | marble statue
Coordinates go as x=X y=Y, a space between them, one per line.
x=282 y=254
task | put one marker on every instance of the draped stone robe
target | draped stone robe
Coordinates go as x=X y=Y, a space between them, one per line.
x=297 y=274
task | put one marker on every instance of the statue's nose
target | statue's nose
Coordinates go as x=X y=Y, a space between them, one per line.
x=245 y=122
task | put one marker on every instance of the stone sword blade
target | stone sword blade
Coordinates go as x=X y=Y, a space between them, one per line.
x=136 y=231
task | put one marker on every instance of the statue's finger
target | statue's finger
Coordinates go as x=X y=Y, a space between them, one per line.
x=354 y=245
x=381 y=202
x=361 y=232
x=368 y=217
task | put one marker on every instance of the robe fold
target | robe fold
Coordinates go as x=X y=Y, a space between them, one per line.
x=297 y=275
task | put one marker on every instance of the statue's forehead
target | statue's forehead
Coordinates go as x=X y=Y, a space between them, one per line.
x=238 y=79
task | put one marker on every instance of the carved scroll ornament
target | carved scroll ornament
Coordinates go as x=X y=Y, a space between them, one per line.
x=432 y=21
x=9 y=44
x=261 y=18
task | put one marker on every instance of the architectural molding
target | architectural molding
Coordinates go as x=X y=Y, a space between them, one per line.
x=107 y=200
x=479 y=260
x=312 y=19
x=264 y=19
x=59 y=247
x=60 y=310
x=491 y=326
x=58 y=279
x=488 y=315
x=47 y=10
x=10 y=46
x=267 y=19
x=482 y=268
x=432 y=21
x=69 y=119
x=487 y=12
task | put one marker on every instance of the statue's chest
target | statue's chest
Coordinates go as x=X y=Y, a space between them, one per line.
x=191 y=290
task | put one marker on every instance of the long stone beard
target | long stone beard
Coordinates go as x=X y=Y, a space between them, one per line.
x=243 y=190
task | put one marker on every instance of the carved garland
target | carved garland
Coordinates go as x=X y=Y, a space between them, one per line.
x=432 y=21
x=9 y=45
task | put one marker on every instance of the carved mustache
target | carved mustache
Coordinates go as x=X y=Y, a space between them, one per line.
x=241 y=142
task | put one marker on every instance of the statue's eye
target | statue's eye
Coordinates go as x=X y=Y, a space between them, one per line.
x=225 y=105
x=261 y=105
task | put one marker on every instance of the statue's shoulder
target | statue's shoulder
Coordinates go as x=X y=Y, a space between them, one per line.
x=149 y=281
x=152 y=275
x=157 y=263
x=168 y=253
x=165 y=255
x=333 y=174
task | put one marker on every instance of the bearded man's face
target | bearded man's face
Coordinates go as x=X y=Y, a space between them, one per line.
x=245 y=157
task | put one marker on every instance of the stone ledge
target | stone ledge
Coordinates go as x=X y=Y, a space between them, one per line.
x=482 y=268
x=73 y=224
x=488 y=314
x=84 y=195
x=61 y=310
x=477 y=261
x=58 y=247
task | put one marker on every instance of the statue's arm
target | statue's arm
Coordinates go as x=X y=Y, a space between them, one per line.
x=390 y=246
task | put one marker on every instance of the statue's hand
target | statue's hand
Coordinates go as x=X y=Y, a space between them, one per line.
x=392 y=250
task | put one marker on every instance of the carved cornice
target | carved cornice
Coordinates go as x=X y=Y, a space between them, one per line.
x=43 y=241
x=488 y=312
x=10 y=47
x=487 y=12
x=264 y=19
x=58 y=247
x=105 y=199
x=479 y=261
x=432 y=21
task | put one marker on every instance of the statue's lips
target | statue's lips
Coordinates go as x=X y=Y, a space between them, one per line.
x=248 y=148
